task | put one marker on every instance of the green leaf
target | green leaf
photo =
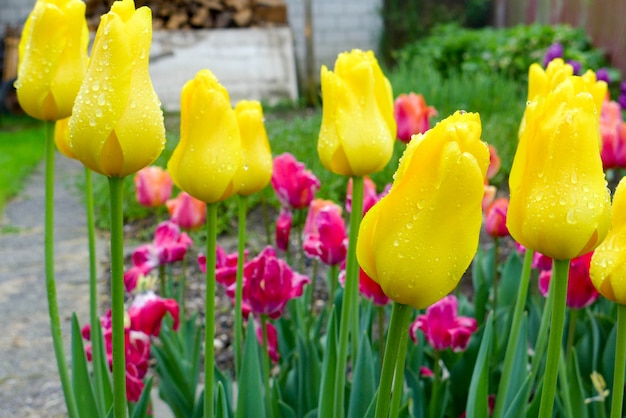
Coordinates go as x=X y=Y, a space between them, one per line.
x=482 y=284
x=141 y=407
x=363 y=386
x=222 y=403
x=416 y=386
x=517 y=407
x=327 y=385
x=477 y=402
x=509 y=280
x=250 y=401
x=520 y=366
x=102 y=373
x=286 y=411
x=575 y=387
x=81 y=382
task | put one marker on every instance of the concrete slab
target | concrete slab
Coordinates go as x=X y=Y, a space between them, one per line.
x=252 y=64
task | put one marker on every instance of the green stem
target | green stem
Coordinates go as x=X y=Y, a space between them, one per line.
x=209 y=309
x=51 y=291
x=332 y=285
x=241 y=247
x=266 y=364
x=381 y=332
x=96 y=340
x=542 y=334
x=398 y=380
x=116 y=190
x=400 y=315
x=349 y=296
x=560 y=273
x=620 y=364
x=433 y=405
x=518 y=314
x=162 y=281
x=571 y=333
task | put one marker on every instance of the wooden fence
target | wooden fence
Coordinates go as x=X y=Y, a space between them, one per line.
x=603 y=20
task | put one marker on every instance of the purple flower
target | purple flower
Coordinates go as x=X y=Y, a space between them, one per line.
x=603 y=74
x=554 y=51
x=576 y=66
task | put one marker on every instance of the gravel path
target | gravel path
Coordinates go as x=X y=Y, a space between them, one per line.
x=29 y=382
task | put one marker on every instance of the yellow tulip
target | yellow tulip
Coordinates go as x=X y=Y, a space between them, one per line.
x=256 y=171
x=117 y=126
x=62 y=137
x=419 y=239
x=206 y=160
x=358 y=127
x=559 y=203
x=608 y=263
x=52 y=58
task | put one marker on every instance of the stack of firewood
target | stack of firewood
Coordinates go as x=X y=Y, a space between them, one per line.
x=196 y=14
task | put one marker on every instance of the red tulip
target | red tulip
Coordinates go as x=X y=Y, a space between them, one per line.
x=225 y=266
x=325 y=232
x=412 y=115
x=494 y=162
x=580 y=291
x=295 y=186
x=367 y=287
x=283 y=229
x=187 y=211
x=147 y=312
x=268 y=284
x=153 y=186
x=443 y=328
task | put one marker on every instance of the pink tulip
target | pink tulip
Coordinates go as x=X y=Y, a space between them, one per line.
x=495 y=218
x=370 y=197
x=272 y=339
x=186 y=211
x=283 y=229
x=268 y=284
x=148 y=310
x=412 y=115
x=580 y=291
x=295 y=186
x=613 y=131
x=153 y=186
x=325 y=235
x=225 y=266
x=169 y=245
x=443 y=328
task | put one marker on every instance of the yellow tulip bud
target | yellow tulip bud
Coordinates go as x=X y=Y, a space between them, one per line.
x=62 y=137
x=419 y=239
x=256 y=171
x=608 y=262
x=560 y=204
x=117 y=126
x=541 y=82
x=52 y=58
x=206 y=160
x=597 y=88
x=358 y=129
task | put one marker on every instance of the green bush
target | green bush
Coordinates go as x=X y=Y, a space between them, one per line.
x=508 y=52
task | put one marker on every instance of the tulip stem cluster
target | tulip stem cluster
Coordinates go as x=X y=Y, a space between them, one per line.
x=396 y=339
x=620 y=363
x=209 y=309
x=560 y=274
x=51 y=291
x=513 y=339
x=116 y=189
x=350 y=295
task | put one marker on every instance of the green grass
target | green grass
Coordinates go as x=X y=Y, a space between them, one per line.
x=22 y=141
